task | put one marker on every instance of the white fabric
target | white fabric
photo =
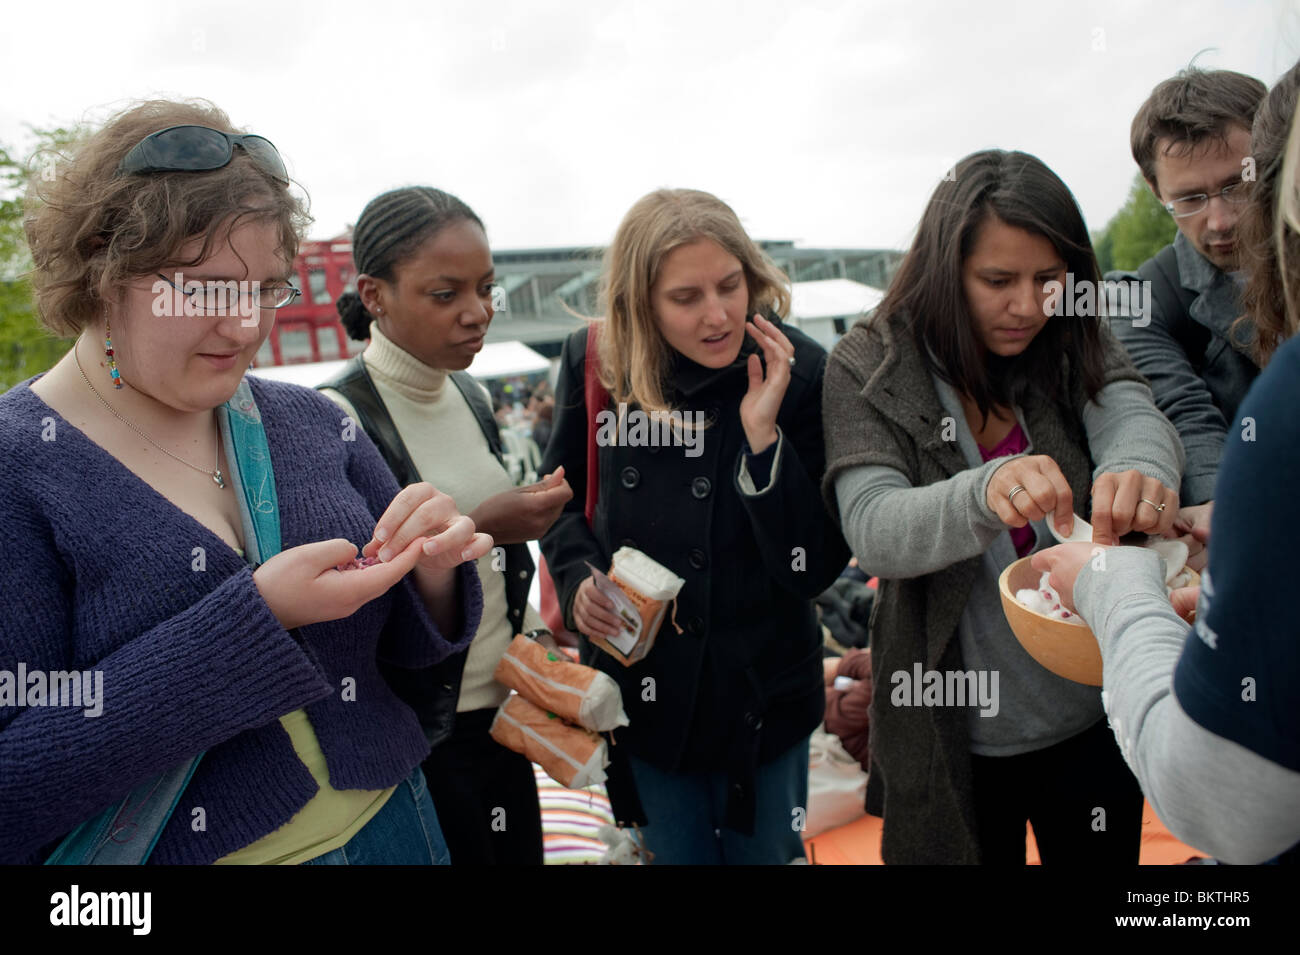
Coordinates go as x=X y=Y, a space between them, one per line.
x=837 y=786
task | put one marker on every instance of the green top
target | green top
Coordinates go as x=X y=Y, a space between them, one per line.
x=328 y=820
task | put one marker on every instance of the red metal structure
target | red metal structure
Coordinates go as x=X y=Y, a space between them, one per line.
x=309 y=329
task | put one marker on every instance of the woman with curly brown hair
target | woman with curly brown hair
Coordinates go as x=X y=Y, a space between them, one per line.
x=188 y=536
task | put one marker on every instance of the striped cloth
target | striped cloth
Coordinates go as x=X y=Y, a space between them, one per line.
x=570 y=820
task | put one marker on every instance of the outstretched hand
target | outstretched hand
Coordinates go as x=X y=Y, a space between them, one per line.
x=524 y=513
x=302 y=586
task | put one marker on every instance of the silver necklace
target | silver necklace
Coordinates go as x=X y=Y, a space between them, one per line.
x=215 y=473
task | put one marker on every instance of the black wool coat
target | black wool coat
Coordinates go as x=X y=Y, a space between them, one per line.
x=742 y=682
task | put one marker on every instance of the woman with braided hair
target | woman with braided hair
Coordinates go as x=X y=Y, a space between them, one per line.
x=424 y=300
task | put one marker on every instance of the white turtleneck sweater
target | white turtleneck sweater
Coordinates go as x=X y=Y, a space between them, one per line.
x=449 y=450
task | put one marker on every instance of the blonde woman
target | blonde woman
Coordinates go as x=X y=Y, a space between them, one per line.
x=717 y=749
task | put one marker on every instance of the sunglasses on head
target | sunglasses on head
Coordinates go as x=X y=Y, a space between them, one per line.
x=198 y=149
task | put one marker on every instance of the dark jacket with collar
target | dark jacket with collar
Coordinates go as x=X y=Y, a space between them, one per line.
x=1198 y=369
x=434 y=692
x=742 y=682
x=881 y=408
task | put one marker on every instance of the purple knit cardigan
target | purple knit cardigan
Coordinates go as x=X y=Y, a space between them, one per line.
x=99 y=573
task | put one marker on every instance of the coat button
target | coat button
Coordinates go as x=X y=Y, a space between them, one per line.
x=627 y=542
x=695 y=625
x=631 y=477
x=523 y=574
x=754 y=721
x=699 y=560
x=700 y=488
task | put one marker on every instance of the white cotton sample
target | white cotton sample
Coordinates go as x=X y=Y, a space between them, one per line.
x=1173 y=553
x=1081 y=532
x=1046 y=601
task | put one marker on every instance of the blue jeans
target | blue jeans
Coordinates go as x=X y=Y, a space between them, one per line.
x=404 y=832
x=687 y=813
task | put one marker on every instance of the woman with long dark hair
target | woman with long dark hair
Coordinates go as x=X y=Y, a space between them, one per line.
x=977 y=403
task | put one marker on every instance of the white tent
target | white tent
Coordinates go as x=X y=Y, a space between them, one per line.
x=815 y=306
x=497 y=360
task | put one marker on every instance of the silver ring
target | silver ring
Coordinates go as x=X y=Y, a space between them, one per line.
x=1014 y=491
x=792 y=361
x=1159 y=507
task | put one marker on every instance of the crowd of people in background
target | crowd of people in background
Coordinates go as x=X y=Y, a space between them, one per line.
x=526 y=409
x=319 y=705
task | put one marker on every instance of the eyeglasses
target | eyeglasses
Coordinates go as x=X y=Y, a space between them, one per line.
x=225 y=297
x=199 y=149
x=1185 y=206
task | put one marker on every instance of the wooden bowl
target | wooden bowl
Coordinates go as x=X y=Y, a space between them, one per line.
x=1067 y=649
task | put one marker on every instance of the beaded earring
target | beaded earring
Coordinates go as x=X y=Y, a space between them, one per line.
x=113 y=373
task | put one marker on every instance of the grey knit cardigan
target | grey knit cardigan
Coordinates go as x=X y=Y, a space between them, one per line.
x=880 y=407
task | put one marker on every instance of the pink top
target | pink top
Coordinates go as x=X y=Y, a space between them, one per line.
x=1014 y=443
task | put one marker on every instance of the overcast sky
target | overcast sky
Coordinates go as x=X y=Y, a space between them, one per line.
x=828 y=123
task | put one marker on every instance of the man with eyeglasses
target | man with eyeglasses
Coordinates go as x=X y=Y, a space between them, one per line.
x=1191 y=139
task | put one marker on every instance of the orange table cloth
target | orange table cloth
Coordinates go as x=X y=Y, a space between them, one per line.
x=858 y=843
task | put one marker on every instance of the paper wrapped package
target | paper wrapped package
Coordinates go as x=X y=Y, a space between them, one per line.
x=642 y=590
x=572 y=756
x=576 y=693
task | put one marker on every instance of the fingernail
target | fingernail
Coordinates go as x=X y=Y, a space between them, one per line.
x=381 y=534
x=385 y=554
x=431 y=546
x=467 y=553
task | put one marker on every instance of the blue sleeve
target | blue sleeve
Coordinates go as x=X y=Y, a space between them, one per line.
x=1239 y=675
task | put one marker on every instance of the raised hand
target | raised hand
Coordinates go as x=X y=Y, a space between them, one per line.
x=762 y=402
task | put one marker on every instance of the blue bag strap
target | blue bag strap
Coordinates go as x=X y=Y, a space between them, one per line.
x=125 y=834
x=249 y=458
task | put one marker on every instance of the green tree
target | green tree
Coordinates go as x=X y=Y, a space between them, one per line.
x=1103 y=244
x=26 y=347
x=1138 y=231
